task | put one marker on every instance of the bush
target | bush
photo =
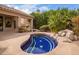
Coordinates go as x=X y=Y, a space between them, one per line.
x=45 y=28
x=75 y=21
x=76 y=31
x=22 y=29
x=56 y=23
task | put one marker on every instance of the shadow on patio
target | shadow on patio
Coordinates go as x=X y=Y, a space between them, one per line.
x=2 y=50
x=11 y=35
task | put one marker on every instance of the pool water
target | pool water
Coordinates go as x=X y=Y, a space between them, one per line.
x=39 y=43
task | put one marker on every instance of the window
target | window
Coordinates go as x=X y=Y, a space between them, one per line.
x=1 y=23
x=29 y=20
x=8 y=22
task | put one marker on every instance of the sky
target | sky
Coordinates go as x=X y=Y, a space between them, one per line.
x=29 y=8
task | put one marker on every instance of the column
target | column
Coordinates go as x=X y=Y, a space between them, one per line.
x=4 y=23
x=12 y=20
x=16 y=21
x=32 y=25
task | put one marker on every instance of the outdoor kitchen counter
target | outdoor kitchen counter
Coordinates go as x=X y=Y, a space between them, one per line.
x=12 y=47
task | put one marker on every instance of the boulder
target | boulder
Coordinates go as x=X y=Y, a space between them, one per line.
x=68 y=34
x=62 y=33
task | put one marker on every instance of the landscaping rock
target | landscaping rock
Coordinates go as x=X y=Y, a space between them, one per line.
x=67 y=40
x=61 y=33
x=68 y=34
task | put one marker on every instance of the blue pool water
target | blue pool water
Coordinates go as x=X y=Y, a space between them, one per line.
x=39 y=43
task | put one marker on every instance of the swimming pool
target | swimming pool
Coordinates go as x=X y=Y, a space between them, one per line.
x=39 y=43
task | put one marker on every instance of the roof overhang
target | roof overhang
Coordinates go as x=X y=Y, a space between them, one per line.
x=13 y=12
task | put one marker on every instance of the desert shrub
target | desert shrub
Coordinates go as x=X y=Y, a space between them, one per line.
x=56 y=19
x=22 y=29
x=45 y=28
x=76 y=30
x=39 y=19
x=75 y=21
x=56 y=23
x=69 y=25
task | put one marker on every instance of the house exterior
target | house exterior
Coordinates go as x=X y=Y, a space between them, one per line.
x=11 y=19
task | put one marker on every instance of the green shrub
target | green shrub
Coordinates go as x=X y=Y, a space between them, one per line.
x=56 y=23
x=75 y=21
x=45 y=28
x=76 y=30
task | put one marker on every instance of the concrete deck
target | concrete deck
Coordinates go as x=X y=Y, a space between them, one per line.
x=10 y=45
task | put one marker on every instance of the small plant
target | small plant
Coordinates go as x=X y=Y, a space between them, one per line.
x=45 y=28
x=76 y=30
x=75 y=21
x=23 y=29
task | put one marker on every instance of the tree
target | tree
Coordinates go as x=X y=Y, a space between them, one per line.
x=39 y=20
x=56 y=19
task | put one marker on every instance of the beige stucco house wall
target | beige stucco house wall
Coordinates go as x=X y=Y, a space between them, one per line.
x=11 y=19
